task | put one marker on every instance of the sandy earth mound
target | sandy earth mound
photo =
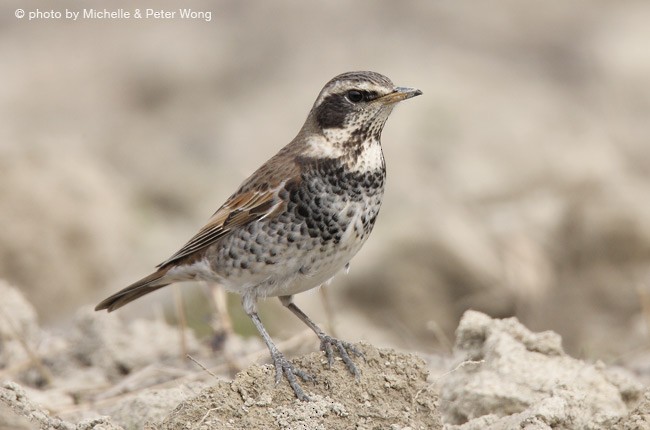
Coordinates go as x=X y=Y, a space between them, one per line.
x=391 y=393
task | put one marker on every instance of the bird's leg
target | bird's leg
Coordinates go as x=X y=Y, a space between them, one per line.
x=282 y=365
x=327 y=343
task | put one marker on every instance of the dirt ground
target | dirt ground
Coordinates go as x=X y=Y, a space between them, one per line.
x=104 y=374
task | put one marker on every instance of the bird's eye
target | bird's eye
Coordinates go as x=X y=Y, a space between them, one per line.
x=355 y=96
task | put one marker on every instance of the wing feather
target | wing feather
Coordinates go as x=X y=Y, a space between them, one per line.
x=258 y=197
x=240 y=210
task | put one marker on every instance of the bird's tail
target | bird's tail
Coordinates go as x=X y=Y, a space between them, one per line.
x=136 y=290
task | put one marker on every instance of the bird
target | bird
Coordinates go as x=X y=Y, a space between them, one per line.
x=298 y=219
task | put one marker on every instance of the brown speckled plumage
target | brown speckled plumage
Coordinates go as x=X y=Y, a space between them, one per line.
x=300 y=217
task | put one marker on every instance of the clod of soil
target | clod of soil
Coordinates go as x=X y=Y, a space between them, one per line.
x=514 y=378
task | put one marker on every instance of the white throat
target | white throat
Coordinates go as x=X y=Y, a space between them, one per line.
x=371 y=158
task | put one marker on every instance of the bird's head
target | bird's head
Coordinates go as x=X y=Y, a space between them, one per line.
x=354 y=106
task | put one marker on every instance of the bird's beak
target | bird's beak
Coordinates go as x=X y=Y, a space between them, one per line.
x=399 y=94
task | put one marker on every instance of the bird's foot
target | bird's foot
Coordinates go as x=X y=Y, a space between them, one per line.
x=328 y=344
x=284 y=366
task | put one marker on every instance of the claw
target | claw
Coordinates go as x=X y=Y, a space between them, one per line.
x=327 y=348
x=327 y=343
x=344 y=350
x=282 y=365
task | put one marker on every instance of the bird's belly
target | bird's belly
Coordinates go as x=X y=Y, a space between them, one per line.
x=283 y=257
x=316 y=269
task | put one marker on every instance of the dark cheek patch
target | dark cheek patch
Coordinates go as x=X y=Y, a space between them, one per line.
x=332 y=112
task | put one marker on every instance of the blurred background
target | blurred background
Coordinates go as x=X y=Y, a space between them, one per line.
x=517 y=184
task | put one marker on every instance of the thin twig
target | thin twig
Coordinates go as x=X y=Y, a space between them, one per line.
x=206 y=415
x=460 y=366
x=220 y=303
x=457 y=367
x=326 y=300
x=201 y=366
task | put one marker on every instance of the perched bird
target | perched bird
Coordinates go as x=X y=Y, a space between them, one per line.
x=300 y=218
